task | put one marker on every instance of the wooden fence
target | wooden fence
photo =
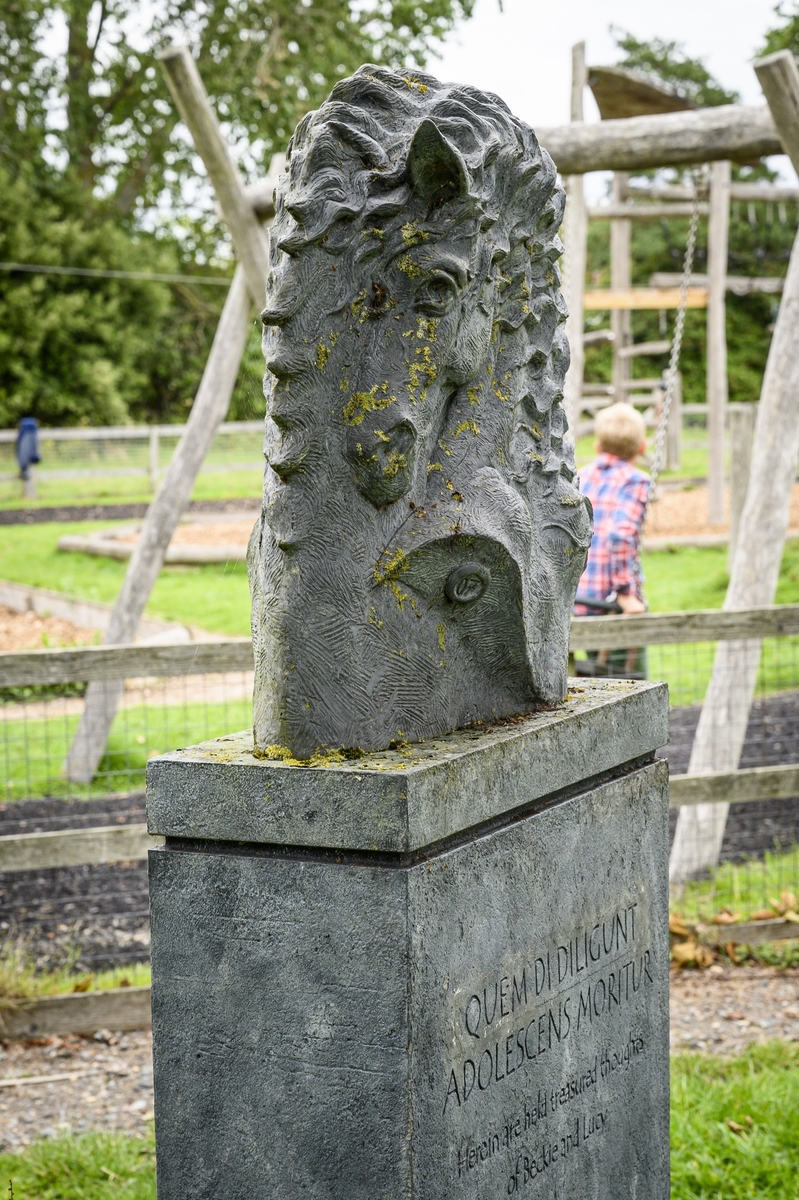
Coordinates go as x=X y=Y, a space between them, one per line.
x=34 y=851
x=130 y=1008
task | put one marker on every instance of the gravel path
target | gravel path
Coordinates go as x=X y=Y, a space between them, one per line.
x=720 y=1011
x=725 y=1009
x=110 y=1086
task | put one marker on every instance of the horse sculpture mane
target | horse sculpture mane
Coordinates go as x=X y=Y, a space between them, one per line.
x=422 y=535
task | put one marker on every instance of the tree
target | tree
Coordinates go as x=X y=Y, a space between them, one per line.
x=96 y=171
x=668 y=63
x=102 y=107
x=786 y=36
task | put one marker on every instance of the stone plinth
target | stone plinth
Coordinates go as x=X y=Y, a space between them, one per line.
x=432 y=973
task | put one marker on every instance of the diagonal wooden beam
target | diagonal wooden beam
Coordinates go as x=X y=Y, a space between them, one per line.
x=195 y=108
x=762 y=529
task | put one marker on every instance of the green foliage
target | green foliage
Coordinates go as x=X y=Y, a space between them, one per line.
x=20 y=980
x=786 y=36
x=709 y=1158
x=104 y=109
x=95 y=171
x=743 y=887
x=668 y=63
x=91 y=1166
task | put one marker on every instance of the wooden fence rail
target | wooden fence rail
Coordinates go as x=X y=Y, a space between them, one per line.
x=130 y=843
x=82 y=663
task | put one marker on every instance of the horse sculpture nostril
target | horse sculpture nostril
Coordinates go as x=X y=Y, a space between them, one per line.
x=467 y=582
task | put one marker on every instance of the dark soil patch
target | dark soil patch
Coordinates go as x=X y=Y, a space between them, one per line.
x=772 y=739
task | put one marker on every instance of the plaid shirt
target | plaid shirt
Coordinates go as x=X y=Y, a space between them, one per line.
x=618 y=492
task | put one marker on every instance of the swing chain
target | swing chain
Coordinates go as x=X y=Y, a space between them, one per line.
x=676 y=347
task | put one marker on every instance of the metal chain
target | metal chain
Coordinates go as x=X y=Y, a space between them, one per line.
x=674 y=360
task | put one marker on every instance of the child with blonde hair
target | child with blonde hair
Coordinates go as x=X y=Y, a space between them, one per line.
x=618 y=493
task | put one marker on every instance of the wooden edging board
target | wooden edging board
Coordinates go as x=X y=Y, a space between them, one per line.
x=118 y=1009
x=75 y=847
x=752 y=933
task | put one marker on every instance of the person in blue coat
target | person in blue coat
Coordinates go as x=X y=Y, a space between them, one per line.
x=27 y=447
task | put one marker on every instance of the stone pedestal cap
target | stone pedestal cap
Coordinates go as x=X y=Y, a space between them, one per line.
x=403 y=800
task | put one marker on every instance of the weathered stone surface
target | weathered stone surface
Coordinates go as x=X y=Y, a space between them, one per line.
x=487 y=1021
x=481 y=1016
x=422 y=534
x=401 y=800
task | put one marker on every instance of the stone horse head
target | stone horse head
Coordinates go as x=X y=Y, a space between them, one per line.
x=422 y=535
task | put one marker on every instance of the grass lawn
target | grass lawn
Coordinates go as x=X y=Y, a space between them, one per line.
x=712 y=1162
x=740 y=887
x=758 y=1092
x=215 y=597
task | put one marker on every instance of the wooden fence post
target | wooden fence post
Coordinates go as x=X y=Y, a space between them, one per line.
x=620 y=280
x=574 y=257
x=762 y=530
x=674 y=427
x=153 y=447
x=717 y=249
x=742 y=419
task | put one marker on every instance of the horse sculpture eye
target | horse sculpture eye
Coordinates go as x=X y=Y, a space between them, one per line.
x=436 y=293
x=467 y=582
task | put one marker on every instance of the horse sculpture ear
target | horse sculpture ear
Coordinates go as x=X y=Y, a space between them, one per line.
x=435 y=168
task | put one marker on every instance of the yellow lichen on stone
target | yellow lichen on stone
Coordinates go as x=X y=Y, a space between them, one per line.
x=361 y=403
x=467 y=426
x=412 y=235
x=442 y=637
x=409 y=266
x=472 y=393
x=385 y=568
x=413 y=83
x=421 y=374
x=322 y=355
x=395 y=462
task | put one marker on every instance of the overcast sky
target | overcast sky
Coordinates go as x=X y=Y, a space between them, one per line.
x=524 y=53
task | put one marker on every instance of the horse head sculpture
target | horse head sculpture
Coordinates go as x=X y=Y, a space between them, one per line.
x=422 y=534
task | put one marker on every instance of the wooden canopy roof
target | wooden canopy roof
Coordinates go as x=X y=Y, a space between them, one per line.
x=623 y=93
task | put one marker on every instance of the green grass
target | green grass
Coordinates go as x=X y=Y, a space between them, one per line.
x=32 y=751
x=741 y=887
x=213 y=597
x=233 y=485
x=708 y=1160
x=19 y=979
x=92 y=1166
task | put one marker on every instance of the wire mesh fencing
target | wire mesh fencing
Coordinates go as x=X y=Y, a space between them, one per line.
x=757 y=876
x=185 y=694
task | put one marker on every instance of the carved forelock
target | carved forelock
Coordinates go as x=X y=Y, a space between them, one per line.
x=348 y=167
